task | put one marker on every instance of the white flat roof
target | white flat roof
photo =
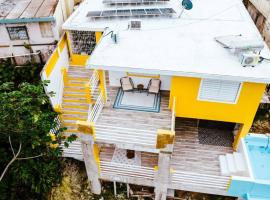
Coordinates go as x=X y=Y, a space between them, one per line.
x=173 y=46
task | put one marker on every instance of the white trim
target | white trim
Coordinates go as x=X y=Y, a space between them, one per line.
x=181 y=73
x=216 y=101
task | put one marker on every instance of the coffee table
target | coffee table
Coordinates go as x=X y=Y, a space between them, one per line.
x=140 y=87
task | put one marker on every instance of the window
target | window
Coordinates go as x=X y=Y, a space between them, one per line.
x=219 y=91
x=17 y=33
x=46 y=29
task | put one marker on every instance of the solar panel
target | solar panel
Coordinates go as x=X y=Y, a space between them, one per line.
x=138 y=12
x=132 y=1
x=154 y=11
x=166 y=12
x=93 y=14
x=109 y=13
x=123 y=13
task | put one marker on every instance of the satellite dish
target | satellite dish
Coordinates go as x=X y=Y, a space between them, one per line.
x=187 y=4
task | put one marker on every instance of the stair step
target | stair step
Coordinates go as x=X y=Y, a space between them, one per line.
x=74 y=89
x=231 y=163
x=79 y=95
x=72 y=131
x=75 y=100
x=73 y=118
x=223 y=165
x=74 y=112
x=239 y=162
x=83 y=79
x=69 y=124
x=76 y=84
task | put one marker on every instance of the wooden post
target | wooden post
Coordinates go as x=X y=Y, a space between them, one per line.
x=91 y=166
x=163 y=176
x=114 y=188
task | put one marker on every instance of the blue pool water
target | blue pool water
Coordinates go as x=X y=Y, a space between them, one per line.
x=259 y=155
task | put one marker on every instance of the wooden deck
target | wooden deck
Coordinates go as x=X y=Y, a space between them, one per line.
x=196 y=166
x=142 y=175
x=148 y=159
x=131 y=129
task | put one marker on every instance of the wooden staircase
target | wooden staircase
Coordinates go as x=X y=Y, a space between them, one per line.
x=75 y=106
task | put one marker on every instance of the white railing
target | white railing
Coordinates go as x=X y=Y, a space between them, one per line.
x=114 y=169
x=181 y=179
x=94 y=84
x=173 y=114
x=95 y=110
x=60 y=90
x=55 y=129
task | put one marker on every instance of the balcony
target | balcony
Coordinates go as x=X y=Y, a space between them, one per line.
x=131 y=129
x=139 y=171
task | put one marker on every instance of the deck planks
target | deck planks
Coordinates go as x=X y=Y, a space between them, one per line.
x=190 y=155
x=147 y=159
x=135 y=119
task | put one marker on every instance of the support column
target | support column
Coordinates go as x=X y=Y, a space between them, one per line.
x=92 y=168
x=163 y=176
x=243 y=131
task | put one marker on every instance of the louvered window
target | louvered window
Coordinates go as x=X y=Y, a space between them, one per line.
x=219 y=90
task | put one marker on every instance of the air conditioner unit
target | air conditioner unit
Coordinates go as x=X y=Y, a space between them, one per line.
x=249 y=59
x=135 y=24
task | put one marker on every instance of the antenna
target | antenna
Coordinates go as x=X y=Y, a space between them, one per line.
x=186 y=5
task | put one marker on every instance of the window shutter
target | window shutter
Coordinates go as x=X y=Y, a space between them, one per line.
x=219 y=90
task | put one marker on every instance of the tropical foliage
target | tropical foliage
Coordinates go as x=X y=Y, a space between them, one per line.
x=30 y=161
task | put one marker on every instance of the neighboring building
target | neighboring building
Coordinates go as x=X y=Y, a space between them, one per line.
x=189 y=135
x=31 y=26
x=260 y=13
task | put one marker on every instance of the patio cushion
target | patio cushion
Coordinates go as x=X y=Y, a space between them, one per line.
x=154 y=87
x=126 y=85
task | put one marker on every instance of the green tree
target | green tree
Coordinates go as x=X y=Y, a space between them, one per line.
x=29 y=154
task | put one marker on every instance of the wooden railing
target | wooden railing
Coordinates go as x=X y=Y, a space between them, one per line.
x=112 y=169
x=182 y=180
x=128 y=136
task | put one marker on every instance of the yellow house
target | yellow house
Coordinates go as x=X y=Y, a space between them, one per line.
x=154 y=98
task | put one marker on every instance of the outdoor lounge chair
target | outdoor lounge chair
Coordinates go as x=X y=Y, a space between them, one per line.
x=153 y=86
x=126 y=84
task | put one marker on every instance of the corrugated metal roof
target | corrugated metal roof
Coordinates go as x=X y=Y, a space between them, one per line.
x=22 y=11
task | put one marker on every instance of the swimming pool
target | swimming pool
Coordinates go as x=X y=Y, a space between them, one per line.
x=258 y=148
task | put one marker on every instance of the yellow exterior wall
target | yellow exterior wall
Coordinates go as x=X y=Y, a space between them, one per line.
x=78 y=60
x=186 y=90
